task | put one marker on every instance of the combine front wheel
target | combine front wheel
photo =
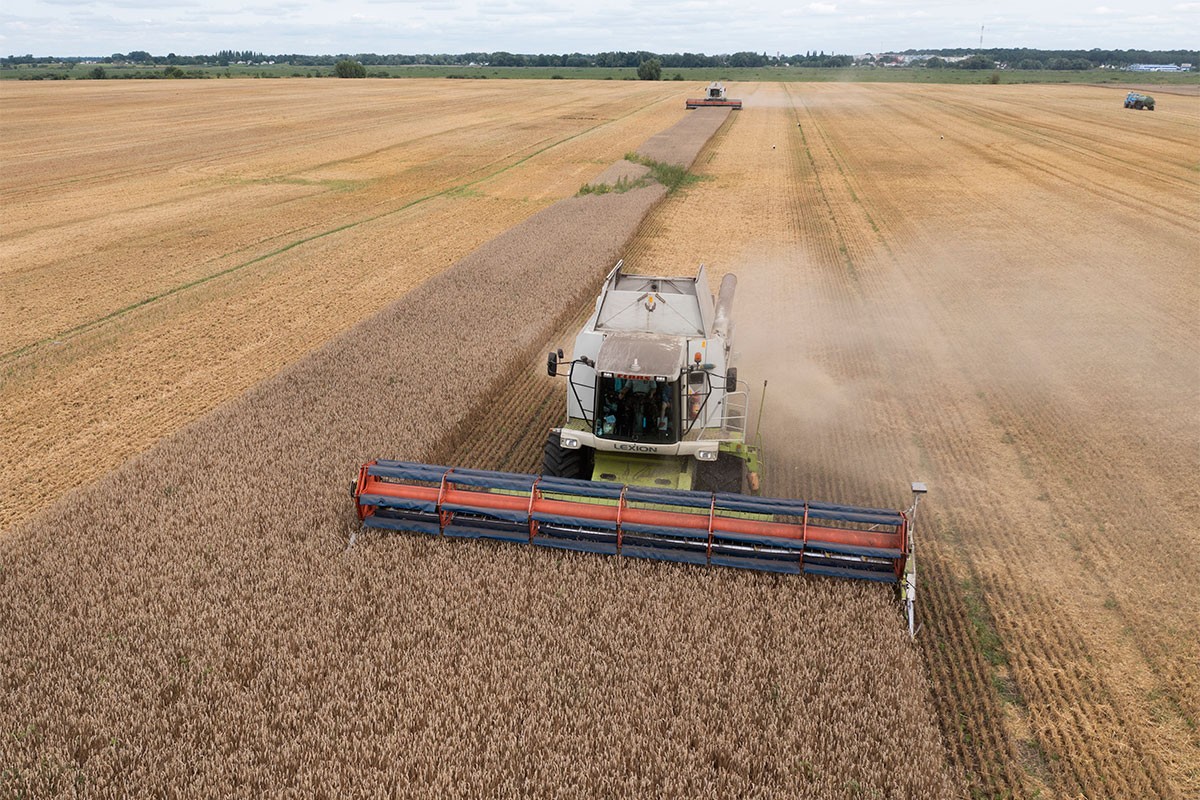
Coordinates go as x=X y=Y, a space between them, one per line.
x=559 y=462
x=723 y=475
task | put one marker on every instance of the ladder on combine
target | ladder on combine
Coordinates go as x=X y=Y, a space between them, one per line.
x=731 y=530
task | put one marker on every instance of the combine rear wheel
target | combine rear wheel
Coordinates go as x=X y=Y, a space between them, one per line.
x=559 y=462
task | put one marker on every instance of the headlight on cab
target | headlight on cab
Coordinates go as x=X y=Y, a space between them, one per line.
x=568 y=442
x=706 y=455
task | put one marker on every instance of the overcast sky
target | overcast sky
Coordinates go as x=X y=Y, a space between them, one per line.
x=189 y=27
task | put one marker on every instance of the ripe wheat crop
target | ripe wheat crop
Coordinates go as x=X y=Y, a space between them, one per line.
x=192 y=624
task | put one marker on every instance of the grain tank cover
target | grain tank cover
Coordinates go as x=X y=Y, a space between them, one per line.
x=645 y=355
x=655 y=304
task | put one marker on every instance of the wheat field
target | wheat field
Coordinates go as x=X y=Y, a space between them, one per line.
x=989 y=288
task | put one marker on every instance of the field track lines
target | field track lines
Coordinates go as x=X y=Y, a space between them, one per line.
x=858 y=217
x=965 y=690
x=1099 y=177
x=1172 y=311
x=986 y=729
x=232 y=147
x=1106 y=726
x=74 y=331
x=1110 y=541
x=1098 y=135
x=1090 y=745
x=218 y=186
x=1021 y=619
x=1059 y=735
x=833 y=192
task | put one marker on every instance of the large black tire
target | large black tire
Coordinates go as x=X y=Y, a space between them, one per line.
x=559 y=462
x=723 y=475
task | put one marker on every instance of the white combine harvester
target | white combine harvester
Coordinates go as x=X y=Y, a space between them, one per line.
x=652 y=395
x=714 y=97
x=652 y=461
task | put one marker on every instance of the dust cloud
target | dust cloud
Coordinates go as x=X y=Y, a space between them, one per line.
x=832 y=361
x=857 y=367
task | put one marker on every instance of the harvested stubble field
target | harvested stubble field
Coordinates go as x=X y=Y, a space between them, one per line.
x=164 y=248
x=1008 y=312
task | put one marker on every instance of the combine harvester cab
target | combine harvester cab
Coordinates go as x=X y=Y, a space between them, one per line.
x=714 y=97
x=652 y=461
x=652 y=395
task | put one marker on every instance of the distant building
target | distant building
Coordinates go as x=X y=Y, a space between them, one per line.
x=1159 y=67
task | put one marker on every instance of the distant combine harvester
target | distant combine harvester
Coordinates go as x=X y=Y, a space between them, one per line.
x=714 y=96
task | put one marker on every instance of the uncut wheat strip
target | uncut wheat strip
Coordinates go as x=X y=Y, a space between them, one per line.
x=681 y=143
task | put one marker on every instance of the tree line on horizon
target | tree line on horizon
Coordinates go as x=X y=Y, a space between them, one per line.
x=1016 y=58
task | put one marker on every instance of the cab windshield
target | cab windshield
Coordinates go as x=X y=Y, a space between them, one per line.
x=637 y=409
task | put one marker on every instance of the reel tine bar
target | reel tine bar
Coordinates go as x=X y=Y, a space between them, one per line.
x=733 y=530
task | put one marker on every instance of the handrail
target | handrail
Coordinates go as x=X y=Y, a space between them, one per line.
x=737 y=412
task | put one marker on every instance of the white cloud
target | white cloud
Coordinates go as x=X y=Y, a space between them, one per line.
x=95 y=27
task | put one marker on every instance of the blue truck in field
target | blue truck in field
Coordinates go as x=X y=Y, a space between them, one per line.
x=1139 y=101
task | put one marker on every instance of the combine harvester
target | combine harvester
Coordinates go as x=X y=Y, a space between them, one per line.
x=714 y=97
x=653 y=460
